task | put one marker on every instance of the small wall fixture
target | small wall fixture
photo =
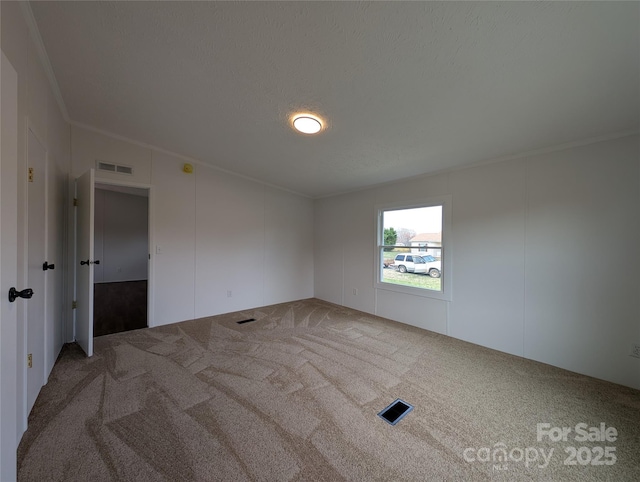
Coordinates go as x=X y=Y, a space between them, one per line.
x=188 y=168
x=307 y=123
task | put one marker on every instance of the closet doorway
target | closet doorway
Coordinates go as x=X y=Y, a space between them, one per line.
x=121 y=244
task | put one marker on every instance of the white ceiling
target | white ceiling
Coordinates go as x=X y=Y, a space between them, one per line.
x=406 y=88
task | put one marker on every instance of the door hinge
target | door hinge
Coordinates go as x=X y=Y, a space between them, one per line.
x=29 y=360
x=30 y=174
x=75 y=201
x=74 y=305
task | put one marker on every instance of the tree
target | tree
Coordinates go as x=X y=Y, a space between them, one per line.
x=405 y=235
x=390 y=237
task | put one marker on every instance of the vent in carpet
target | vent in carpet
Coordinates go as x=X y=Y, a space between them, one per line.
x=395 y=412
x=245 y=321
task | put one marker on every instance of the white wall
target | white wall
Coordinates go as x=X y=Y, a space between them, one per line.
x=229 y=236
x=214 y=233
x=545 y=257
x=288 y=247
x=489 y=214
x=583 y=314
x=174 y=220
x=87 y=147
x=121 y=237
x=38 y=111
x=254 y=244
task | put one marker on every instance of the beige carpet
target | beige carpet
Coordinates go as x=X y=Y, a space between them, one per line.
x=294 y=396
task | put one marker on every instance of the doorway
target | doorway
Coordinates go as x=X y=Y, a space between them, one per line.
x=121 y=251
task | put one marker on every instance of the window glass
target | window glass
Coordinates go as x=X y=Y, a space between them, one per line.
x=411 y=231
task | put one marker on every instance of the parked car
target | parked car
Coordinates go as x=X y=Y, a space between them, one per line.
x=434 y=267
x=410 y=263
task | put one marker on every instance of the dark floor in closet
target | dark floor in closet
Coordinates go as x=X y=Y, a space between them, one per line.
x=119 y=307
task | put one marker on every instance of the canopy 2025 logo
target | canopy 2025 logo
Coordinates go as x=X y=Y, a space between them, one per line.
x=500 y=455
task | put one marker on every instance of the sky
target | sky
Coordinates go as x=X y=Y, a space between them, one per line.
x=421 y=220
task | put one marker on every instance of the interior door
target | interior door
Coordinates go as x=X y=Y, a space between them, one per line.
x=36 y=220
x=85 y=194
x=8 y=271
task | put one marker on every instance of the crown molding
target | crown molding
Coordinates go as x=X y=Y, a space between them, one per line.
x=183 y=157
x=486 y=162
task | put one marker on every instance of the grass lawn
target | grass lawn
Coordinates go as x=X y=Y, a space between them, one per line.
x=411 y=279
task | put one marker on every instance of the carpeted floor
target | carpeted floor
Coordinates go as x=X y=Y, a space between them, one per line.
x=294 y=396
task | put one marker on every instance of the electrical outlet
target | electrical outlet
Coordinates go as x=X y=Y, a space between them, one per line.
x=635 y=350
x=229 y=293
x=29 y=360
x=355 y=291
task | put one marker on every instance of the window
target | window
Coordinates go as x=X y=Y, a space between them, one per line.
x=411 y=254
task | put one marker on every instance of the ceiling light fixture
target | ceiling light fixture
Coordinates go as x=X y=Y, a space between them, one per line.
x=307 y=123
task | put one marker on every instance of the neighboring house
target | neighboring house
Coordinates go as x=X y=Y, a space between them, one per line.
x=425 y=243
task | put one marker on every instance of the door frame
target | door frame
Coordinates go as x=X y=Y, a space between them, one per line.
x=45 y=254
x=23 y=269
x=10 y=398
x=84 y=186
x=150 y=230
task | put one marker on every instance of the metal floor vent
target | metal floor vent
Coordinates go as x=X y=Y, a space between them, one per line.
x=395 y=412
x=245 y=321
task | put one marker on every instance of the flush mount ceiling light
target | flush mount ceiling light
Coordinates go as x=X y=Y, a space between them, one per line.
x=307 y=123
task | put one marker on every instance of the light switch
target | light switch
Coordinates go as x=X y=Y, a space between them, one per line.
x=158 y=249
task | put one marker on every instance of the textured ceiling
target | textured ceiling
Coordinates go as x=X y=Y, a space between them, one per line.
x=406 y=88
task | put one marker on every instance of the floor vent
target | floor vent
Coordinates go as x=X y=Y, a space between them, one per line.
x=395 y=412
x=245 y=321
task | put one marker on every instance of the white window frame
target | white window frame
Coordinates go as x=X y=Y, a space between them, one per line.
x=445 y=202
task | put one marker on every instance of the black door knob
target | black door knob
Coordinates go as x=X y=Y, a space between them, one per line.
x=13 y=294
x=47 y=266
x=88 y=262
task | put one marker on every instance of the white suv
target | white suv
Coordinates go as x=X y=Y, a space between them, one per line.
x=434 y=267
x=414 y=263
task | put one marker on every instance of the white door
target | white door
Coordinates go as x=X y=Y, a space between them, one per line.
x=36 y=219
x=85 y=194
x=8 y=271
